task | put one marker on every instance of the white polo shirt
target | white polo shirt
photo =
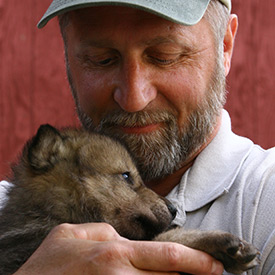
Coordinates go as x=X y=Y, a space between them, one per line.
x=231 y=187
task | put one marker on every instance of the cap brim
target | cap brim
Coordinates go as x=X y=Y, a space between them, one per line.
x=168 y=9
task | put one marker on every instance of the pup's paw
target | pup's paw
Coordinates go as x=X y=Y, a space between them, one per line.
x=236 y=255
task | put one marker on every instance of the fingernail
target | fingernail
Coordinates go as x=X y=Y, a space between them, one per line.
x=217 y=268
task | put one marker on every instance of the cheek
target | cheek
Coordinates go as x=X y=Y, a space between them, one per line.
x=185 y=89
x=94 y=92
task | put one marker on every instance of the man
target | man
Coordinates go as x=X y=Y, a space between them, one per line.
x=153 y=74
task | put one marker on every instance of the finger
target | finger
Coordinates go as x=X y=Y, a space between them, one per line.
x=114 y=257
x=86 y=231
x=173 y=257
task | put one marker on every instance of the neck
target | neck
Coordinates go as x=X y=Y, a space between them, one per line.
x=165 y=185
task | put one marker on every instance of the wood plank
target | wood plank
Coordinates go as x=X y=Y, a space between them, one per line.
x=251 y=82
x=34 y=89
x=15 y=73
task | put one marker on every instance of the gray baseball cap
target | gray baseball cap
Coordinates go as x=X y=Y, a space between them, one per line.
x=186 y=12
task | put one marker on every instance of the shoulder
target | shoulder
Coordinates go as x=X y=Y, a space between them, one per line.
x=257 y=178
x=258 y=173
x=260 y=157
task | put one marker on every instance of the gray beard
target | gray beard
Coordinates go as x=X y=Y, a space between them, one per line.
x=161 y=152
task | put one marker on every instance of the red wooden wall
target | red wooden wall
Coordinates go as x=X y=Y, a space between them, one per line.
x=34 y=90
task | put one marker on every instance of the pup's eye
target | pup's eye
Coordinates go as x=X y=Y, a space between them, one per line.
x=127 y=177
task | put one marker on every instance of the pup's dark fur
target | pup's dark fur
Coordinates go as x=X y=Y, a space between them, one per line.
x=72 y=176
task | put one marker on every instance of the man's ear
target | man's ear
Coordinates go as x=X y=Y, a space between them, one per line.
x=44 y=150
x=228 y=42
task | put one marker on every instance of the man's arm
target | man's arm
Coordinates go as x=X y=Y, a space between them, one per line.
x=96 y=248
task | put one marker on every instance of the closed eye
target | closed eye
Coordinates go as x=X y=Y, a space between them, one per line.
x=164 y=61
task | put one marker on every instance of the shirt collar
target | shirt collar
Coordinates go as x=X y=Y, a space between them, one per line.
x=213 y=171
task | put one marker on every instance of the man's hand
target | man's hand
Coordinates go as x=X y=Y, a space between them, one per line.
x=96 y=248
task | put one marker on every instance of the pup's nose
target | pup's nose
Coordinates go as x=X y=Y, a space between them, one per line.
x=172 y=209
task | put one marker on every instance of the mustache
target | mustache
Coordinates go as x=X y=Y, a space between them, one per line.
x=121 y=118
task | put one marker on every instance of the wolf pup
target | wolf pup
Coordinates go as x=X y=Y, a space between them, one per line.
x=72 y=176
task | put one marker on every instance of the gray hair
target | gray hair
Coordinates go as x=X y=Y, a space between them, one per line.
x=217 y=16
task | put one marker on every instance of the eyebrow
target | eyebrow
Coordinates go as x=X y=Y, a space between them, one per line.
x=160 y=40
x=97 y=43
x=183 y=44
x=108 y=43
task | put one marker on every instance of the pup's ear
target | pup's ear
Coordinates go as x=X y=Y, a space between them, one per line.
x=44 y=151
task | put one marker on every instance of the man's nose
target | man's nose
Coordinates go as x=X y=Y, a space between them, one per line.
x=134 y=88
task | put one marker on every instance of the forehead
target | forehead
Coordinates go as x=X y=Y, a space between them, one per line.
x=110 y=21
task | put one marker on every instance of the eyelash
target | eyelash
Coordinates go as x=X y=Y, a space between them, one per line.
x=164 y=61
x=105 y=61
x=92 y=61
x=108 y=62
